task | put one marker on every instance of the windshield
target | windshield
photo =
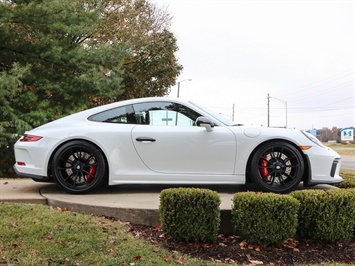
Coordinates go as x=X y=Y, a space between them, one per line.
x=214 y=114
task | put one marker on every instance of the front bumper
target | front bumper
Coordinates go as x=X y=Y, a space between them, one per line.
x=324 y=166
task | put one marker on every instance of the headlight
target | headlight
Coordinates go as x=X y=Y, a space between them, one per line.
x=313 y=139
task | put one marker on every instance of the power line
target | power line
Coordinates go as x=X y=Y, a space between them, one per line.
x=321 y=83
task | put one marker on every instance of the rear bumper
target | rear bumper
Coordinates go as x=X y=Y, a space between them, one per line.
x=38 y=178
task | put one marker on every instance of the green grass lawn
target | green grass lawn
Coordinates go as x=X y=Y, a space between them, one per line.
x=341 y=148
x=40 y=235
x=349 y=179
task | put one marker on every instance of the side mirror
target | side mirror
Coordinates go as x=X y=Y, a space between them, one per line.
x=205 y=122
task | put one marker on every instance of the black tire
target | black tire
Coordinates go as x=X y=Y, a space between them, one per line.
x=276 y=167
x=79 y=167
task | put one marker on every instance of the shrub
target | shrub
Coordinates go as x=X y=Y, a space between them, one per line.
x=190 y=214
x=352 y=191
x=326 y=215
x=264 y=218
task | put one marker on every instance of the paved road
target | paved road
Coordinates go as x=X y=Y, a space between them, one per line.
x=348 y=162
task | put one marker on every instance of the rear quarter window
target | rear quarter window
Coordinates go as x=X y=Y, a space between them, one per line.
x=120 y=115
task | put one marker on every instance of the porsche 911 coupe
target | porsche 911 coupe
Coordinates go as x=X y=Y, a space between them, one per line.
x=164 y=140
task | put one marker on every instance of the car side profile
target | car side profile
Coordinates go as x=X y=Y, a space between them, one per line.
x=164 y=140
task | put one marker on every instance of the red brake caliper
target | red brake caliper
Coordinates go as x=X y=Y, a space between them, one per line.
x=263 y=171
x=91 y=173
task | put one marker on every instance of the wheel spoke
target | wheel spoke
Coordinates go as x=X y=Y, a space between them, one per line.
x=288 y=159
x=288 y=176
x=91 y=157
x=272 y=179
x=64 y=168
x=281 y=153
x=66 y=160
x=74 y=154
x=282 y=181
x=263 y=158
x=83 y=178
x=70 y=177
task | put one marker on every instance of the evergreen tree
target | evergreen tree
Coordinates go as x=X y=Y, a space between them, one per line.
x=47 y=67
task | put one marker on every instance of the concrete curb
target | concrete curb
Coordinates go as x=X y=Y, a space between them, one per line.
x=136 y=216
x=22 y=191
x=136 y=204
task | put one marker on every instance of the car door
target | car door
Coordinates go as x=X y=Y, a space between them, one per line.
x=167 y=141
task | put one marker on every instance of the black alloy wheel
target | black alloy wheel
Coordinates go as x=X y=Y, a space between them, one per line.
x=277 y=167
x=79 y=167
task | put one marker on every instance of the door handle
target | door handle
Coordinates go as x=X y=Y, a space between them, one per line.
x=145 y=139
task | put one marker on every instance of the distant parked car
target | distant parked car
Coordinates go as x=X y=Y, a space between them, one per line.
x=170 y=141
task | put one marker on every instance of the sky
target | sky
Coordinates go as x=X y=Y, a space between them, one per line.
x=293 y=58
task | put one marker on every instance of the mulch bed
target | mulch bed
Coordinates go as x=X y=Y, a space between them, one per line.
x=233 y=249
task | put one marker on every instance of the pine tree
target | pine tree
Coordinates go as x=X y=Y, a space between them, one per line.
x=47 y=67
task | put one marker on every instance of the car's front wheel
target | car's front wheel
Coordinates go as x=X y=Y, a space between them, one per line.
x=276 y=167
x=79 y=167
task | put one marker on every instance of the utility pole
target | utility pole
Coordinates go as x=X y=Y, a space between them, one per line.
x=268 y=110
x=233 y=113
x=286 y=113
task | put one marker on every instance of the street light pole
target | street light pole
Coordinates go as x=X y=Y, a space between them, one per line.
x=178 y=92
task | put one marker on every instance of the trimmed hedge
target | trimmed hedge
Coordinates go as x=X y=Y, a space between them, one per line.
x=190 y=214
x=264 y=218
x=352 y=191
x=326 y=215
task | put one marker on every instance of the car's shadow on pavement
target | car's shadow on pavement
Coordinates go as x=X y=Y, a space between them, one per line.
x=137 y=188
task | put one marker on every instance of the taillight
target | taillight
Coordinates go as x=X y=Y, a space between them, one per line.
x=30 y=138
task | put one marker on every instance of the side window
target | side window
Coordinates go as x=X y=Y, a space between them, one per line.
x=122 y=115
x=164 y=114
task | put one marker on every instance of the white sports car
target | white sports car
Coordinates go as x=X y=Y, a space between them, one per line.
x=170 y=141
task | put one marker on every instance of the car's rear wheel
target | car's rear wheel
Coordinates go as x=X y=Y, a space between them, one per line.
x=79 y=167
x=276 y=167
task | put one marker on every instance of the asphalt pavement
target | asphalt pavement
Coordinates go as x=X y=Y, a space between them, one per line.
x=348 y=162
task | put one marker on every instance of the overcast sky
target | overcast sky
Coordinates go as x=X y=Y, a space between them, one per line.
x=300 y=52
